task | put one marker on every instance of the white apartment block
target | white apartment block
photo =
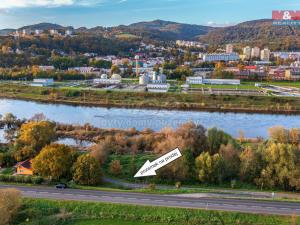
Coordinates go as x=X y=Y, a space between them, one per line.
x=265 y=54
x=229 y=48
x=215 y=57
x=255 y=52
x=247 y=52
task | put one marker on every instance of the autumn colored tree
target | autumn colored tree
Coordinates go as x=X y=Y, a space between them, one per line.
x=54 y=161
x=99 y=152
x=251 y=164
x=115 y=167
x=279 y=134
x=33 y=137
x=282 y=167
x=231 y=160
x=209 y=168
x=87 y=170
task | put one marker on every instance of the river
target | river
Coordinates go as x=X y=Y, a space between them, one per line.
x=253 y=125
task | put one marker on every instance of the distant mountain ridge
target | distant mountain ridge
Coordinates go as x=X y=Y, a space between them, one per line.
x=260 y=31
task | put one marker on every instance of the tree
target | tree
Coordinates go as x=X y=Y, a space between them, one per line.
x=115 y=69
x=115 y=167
x=54 y=161
x=87 y=170
x=10 y=203
x=282 y=168
x=251 y=164
x=230 y=156
x=33 y=137
x=216 y=138
x=209 y=168
x=99 y=152
x=9 y=119
x=279 y=134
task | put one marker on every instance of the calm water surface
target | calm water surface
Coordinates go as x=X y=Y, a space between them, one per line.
x=253 y=125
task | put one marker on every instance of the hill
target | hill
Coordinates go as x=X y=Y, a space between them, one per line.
x=45 y=26
x=5 y=32
x=260 y=32
x=157 y=30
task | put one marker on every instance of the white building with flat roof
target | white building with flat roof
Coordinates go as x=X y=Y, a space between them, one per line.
x=161 y=88
x=194 y=80
x=42 y=82
x=222 y=81
x=106 y=81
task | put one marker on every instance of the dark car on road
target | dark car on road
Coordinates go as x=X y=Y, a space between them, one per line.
x=61 y=186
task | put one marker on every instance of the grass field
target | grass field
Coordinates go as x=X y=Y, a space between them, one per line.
x=40 y=211
x=263 y=104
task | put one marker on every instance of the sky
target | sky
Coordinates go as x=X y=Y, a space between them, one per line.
x=91 y=13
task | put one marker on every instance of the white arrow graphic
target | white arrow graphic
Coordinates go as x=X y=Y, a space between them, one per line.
x=149 y=168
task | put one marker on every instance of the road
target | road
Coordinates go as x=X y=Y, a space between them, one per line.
x=247 y=206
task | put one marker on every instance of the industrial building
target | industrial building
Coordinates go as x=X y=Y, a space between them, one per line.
x=201 y=80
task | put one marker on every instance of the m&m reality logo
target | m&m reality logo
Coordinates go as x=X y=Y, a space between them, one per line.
x=286 y=18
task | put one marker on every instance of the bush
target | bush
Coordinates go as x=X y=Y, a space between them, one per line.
x=115 y=167
x=72 y=93
x=152 y=187
x=10 y=202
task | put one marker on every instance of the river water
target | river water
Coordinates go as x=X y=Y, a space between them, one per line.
x=253 y=125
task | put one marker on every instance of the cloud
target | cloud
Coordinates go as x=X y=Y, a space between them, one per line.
x=8 y=4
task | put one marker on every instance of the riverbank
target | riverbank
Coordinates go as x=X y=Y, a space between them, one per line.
x=175 y=101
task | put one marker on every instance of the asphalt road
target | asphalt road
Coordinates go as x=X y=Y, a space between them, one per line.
x=247 y=206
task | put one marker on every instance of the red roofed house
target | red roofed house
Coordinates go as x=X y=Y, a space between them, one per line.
x=24 y=168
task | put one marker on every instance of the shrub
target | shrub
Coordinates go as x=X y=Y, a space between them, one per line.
x=10 y=202
x=115 y=167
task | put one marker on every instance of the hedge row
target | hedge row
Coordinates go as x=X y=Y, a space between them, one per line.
x=21 y=179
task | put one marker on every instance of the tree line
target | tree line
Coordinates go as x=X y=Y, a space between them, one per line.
x=209 y=156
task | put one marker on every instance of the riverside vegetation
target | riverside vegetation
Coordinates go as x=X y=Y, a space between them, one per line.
x=260 y=104
x=210 y=157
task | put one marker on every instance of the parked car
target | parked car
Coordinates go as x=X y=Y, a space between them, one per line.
x=61 y=186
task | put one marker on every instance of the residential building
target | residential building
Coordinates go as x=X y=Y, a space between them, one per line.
x=229 y=48
x=82 y=70
x=215 y=57
x=54 y=32
x=42 y=82
x=247 y=52
x=46 y=68
x=265 y=54
x=292 y=74
x=277 y=73
x=24 y=168
x=38 y=32
x=69 y=32
x=255 y=52
x=295 y=64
